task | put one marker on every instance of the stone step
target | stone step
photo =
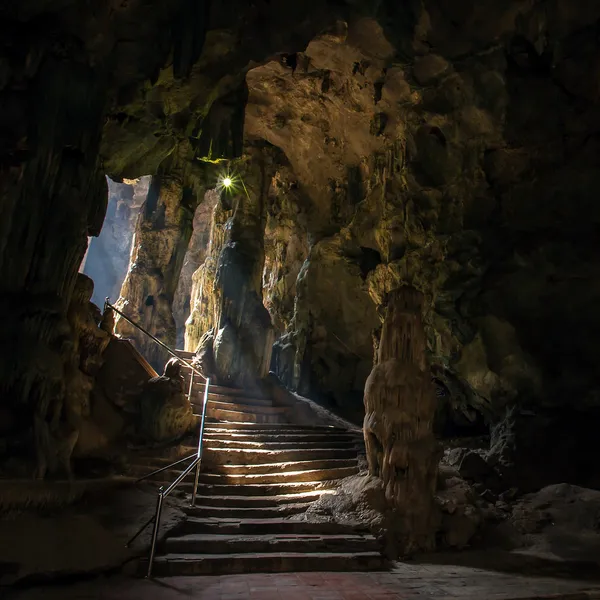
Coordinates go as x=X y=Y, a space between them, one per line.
x=215 y=444
x=291 y=436
x=310 y=475
x=250 y=501
x=237 y=544
x=237 y=417
x=247 y=512
x=255 y=489
x=279 y=562
x=213 y=457
x=242 y=456
x=244 y=408
x=266 y=427
x=212 y=468
x=199 y=386
x=198 y=400
x=267 y=526
x=282 y=467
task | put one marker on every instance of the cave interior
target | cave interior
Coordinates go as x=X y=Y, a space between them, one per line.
x=386 y=209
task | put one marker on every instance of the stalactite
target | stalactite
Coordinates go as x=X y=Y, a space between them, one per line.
x=400 y=405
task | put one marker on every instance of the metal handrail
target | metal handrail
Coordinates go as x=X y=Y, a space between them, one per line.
x=162 y=492
x=177 y=462
x=189 y=365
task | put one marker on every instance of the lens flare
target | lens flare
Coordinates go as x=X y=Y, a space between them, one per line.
x=228 y=182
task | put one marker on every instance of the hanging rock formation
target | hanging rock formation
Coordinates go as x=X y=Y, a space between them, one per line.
x=400 y=405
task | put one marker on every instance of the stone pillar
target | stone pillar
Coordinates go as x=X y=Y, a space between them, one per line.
x=230 y=284
x=400 y=407
x=161 y=239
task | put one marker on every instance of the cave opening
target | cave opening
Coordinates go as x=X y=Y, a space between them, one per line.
x=107 y=258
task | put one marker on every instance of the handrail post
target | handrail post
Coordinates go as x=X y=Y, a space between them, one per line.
x=191 y=388
x=159 y=503
x=200 y=442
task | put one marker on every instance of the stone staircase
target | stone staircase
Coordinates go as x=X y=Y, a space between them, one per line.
x=259 y=474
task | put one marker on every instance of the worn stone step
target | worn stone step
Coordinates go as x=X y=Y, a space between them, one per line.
x=198 y=400
x=276 y=562
x=266 y=526
x=237 y=456
x=282 y=467
x=250 y=501
x=235 y=544
x=244 y=456
x=292 y=476
x=256 y=489
x=247 y=512
x=239 y=417
x=244 y=408
x=215 y=444
x=291 y=436
x=213 y=425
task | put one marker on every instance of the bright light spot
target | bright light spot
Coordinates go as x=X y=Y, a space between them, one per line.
x=227 y=182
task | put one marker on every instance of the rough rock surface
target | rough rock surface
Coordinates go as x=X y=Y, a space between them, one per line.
x=82 y=538
x=165 y=411
x=558 y=523
x=449 y=147
x=194 y=258
x=399 y=414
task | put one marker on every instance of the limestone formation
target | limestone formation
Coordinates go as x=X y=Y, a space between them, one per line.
x=229 y=284
x=194 y=258
x=161 y=240
x=165 y=410
x=448 y=146
x=400 y=408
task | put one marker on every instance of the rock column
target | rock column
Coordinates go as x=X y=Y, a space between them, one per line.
x=400 y=406
x=161 y=239
x=229 y=285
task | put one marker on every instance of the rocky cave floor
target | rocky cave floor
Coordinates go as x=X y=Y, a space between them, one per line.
x=544 y=544
x=420 y=580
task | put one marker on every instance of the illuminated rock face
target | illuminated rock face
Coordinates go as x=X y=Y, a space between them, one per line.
x=443 y=147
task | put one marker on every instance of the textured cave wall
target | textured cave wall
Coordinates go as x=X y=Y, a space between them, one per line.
x=107 y=257
x=229 y=316
x=194 y=258
x=456 y=154
x=162 y=236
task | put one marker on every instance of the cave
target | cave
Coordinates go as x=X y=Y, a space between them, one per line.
x=304 y=287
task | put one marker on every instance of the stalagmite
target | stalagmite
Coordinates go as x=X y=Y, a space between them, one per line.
x=400 y=406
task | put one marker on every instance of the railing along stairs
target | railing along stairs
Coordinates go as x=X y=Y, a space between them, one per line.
x=197 y=458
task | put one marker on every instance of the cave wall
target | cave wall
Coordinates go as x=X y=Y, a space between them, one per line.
x=107 y=257
x=95 y=89
x=452 y=147
x=458 y=157
x=194 y=258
